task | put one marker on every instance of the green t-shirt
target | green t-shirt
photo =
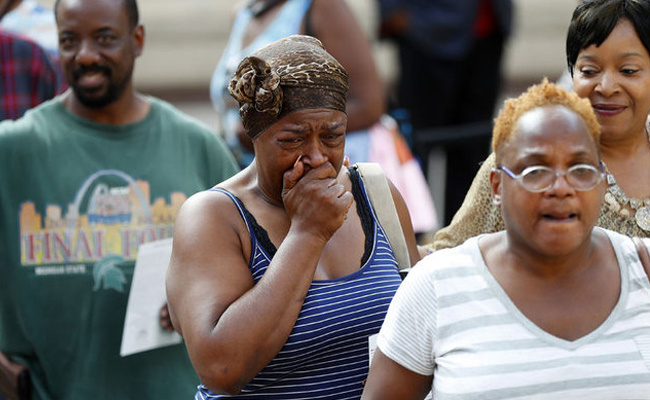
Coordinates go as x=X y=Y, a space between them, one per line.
x=76 y=200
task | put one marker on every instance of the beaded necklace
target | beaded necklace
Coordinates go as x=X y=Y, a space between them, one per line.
x=625 y=205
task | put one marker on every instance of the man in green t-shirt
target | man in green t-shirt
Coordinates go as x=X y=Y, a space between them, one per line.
x=84 y=180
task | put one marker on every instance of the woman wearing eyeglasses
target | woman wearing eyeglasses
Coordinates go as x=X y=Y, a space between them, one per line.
x=549 y=308
x=608 y=54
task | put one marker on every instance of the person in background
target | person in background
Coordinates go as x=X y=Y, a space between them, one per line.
x=372 y=136
x=547 y=308
x=608 y=54
x=33 y=20
x=450 y=55
x=27 y=76
x=85 y=179
x=281 y=274
x=260 y=22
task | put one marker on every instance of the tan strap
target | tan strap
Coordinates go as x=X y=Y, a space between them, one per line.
x=644 y=255
x=381 y=198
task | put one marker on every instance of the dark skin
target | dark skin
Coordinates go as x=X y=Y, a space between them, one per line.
x=571 y=280
x=615 y=76
x=298 y=190
x=98 y=34
x=334 y=24
x=562 y=275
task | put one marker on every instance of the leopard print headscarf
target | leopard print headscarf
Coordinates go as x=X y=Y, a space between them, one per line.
x=294 y=73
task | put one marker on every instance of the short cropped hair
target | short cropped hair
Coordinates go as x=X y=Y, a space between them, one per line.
x=540 y=95
x=594 y=20
x=131 y=7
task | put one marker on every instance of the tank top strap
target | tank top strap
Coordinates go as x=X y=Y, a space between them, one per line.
x=245 y=214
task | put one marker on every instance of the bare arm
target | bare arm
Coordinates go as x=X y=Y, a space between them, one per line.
x=335 y=25
x=233 y=328
x=388 y=380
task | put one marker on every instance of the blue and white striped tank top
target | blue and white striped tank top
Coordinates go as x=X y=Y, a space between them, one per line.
x=326 y=355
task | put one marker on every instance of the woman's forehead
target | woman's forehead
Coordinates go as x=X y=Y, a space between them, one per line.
x=549 y=129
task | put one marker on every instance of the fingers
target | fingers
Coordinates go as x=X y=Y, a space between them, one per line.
x=165 y=319
x=299 y=170
x=292 y=176
x=339 y=191
x=323 y=171
x=337 y=188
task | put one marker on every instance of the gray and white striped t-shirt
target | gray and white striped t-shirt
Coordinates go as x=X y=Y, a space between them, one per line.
x=450 y=318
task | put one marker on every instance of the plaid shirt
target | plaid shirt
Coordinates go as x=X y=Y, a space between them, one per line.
x=27 y=76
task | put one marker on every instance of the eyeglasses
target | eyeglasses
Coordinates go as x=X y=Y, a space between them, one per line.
x=539 y=178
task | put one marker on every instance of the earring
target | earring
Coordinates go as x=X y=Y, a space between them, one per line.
x=496 y=200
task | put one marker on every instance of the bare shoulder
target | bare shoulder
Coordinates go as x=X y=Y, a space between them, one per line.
x=210 y=221
x=216 y=202
x=209 y=204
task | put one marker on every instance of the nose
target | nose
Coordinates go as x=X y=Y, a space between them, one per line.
x=608 y=84
x=560 y=187
x=313 y=155
x=87 y=54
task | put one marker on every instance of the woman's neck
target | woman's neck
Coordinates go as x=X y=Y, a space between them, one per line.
x=625 y=147
x=519 y=258
x=263 y=189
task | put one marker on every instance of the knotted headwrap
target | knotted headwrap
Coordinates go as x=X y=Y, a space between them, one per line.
x=294 y=73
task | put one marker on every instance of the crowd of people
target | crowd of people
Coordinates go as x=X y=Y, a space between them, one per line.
x=295 y=271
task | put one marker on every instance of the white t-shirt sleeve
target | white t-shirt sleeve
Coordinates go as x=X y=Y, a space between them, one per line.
x=409 y=331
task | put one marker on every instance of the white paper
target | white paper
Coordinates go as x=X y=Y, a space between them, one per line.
x=142 y=330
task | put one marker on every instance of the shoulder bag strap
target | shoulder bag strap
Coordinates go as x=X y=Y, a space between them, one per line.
x=382 y=201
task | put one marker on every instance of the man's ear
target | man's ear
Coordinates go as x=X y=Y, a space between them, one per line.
x=138 y=40
x=495 y=185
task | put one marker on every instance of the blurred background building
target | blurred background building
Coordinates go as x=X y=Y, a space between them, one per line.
x=184 y=42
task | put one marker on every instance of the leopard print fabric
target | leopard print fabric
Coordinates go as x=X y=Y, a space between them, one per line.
x=290 y=74
x=478 y=214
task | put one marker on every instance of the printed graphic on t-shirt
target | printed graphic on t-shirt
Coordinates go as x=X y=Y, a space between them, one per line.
x=98 y=230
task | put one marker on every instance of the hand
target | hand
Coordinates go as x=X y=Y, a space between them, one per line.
x=165 y=319
x=314 y=200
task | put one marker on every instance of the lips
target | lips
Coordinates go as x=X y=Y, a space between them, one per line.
x=558 y=216
x=92 y=77
x=608 y=109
